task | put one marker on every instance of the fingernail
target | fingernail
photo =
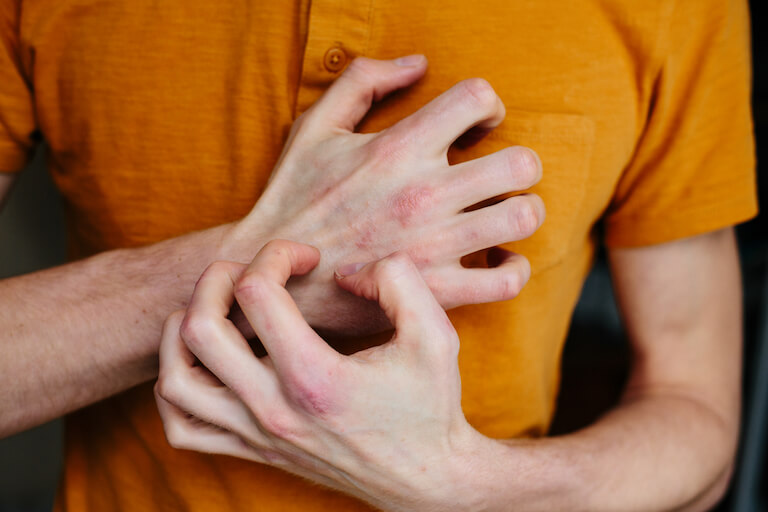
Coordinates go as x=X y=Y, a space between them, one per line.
x=410 y=60
x=349 y=269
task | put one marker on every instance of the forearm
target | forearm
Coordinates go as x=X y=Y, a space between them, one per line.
x=78 y=333
x=662 y=451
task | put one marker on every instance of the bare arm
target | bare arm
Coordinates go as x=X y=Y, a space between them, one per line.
x=81 y=332
x=669 y=445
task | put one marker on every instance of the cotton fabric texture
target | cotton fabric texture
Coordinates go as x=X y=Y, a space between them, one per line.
x=167 y=117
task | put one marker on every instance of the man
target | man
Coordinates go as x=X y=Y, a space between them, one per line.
x=164 y=118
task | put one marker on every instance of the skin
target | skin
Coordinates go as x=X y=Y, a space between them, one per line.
x=669 y=445
x=345 y=422
x=111 y=307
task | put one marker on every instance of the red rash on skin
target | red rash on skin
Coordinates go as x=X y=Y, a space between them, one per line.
x=315 y=402
x=364 y=234
x=409 y=203
x=366 y=237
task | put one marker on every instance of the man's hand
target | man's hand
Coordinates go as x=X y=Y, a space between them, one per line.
x=674 y=432
x=381 y=424
x=358 y=197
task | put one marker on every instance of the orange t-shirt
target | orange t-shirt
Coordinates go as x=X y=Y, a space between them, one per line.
x=167 y=117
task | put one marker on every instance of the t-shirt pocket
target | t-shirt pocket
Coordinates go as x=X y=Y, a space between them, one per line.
x=564 y=144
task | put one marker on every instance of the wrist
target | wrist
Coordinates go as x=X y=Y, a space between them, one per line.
x=451 y=481
x=240 y=241
x=520 y=474
x=469 y=471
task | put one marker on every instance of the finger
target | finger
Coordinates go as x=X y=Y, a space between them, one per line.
x=195 y=390
x=215 y=341
x=395 y=283
x=470 y=103
x=455 y=285
x=213 y=291
x=364 y=81
x=187 y=433
x=271 y=311
x=515 y=218
x=509 y=170
x=171 y=356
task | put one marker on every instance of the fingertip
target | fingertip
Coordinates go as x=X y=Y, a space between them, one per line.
x=303 y=257
x=313 y=255
x=364 y=80
x=416 y=60
x=174 y=319
x=406 y=71
x=348 y=270
x=541 y=208
x=356 y=279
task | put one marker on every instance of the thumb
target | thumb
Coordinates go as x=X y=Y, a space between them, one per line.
x=396 y=284
x=364 y=81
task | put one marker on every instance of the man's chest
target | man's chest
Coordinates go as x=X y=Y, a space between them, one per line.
x=170 y=115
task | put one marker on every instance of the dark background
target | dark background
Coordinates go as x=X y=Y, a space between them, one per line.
x=595 y=363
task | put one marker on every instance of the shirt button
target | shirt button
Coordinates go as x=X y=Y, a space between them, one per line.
x=335 y=59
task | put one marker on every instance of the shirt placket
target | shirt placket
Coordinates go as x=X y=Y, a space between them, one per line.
x=337 y=32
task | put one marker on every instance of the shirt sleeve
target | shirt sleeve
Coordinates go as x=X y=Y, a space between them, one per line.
x=17 y=118
x=693 y=170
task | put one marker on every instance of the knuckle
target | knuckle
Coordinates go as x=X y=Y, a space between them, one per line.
x=212 y=271
x=445 y=348
x=252 y=288
x=173 y=322
x=196 y=328
x=313 y=398
x=380 y=271
x=480 y=92
x=277 y=246
x=215 y=268
x=387 y=147
x=452 y=343
x=278 y=424
x=165 y=387
x=176 y=434
x=525 y=163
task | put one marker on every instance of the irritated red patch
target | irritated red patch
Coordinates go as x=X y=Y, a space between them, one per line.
x=409 y=203
x=366 y=238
